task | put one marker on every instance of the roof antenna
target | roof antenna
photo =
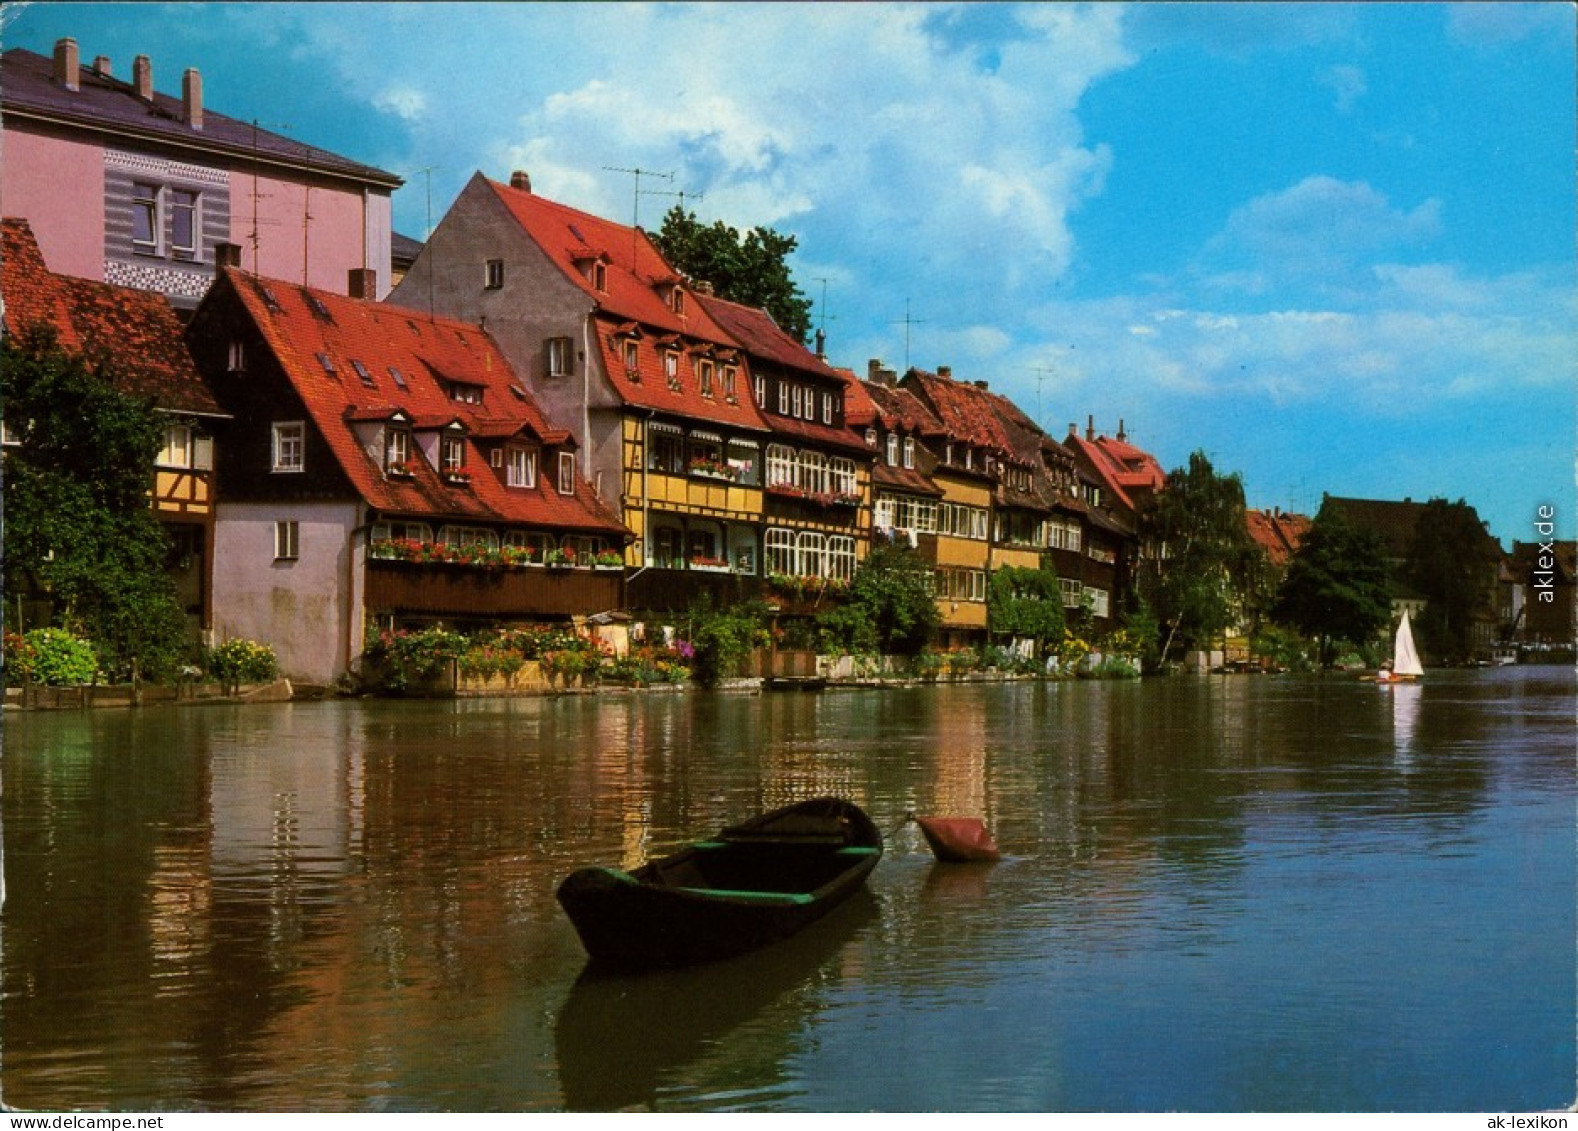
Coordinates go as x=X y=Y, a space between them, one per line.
x=908 y=322
x=635 y=220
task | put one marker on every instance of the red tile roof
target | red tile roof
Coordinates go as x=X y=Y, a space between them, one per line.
x=138 y=330
x=303 y=326
x=968 y=413
x=637 y=280
x=1279 y=533
x=1127 y=472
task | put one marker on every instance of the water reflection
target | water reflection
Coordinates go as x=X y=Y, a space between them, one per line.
x=349 y=906
x=619 y=1036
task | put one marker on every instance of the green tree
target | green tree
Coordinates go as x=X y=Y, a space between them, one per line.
x=891 y=606
x=1201 y=563
x=1451 y=564
x=1024 y=603
x=78 y=525
x=723 y=637
x=1337 y=587
x=752 y=269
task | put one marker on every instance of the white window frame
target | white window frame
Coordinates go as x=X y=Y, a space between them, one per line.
x=704 y=371
x=779 y=549
x=780 y=466
x=191 y=207
x=289 y=449
x=452 y=453
x=179 y=447
x=893 y=449
x=909 y=451
x=147 y=200
x=397 y=447
x=561 y=357
x=287 y=540
x=520 y=466
x=827 y=408
x=841 y=473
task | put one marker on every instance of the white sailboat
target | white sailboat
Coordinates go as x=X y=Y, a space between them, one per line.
x=1405 y=657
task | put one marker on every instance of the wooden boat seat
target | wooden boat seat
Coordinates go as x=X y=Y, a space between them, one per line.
x=792 y=897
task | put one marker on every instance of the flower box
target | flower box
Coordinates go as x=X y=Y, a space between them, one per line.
x=400 y=471
x=458 y=478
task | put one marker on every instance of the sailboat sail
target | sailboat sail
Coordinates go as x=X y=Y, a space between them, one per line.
x=1405 y=658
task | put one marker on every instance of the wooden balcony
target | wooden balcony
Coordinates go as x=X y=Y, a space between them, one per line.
x=523 y=593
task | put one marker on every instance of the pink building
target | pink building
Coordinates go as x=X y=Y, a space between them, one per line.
x=124 y=185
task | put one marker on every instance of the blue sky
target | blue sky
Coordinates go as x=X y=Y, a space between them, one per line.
x=1331 y=245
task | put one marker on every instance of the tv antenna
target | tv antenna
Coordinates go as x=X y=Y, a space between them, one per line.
x=1041 y=372
x=635 y=217
x=908 y=322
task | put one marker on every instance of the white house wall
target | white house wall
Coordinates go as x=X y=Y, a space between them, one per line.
x=308 y=609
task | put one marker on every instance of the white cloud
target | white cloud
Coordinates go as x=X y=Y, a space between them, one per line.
x=1346 y=82
x=1320 y=228
x=404 y=101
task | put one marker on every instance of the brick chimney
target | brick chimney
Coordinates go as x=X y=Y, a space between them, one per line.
x=821 y=345
x=520 y=180
x=142 y=78
x=980 y=384
x=192 y=98
x=66 y=63
x=101 y=65
x=879 y=374
x=1090 y=427
x=227 y=255
x=364 y=283
x=945 y=371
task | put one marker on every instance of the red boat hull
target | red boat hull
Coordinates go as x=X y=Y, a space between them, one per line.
x=958 y=840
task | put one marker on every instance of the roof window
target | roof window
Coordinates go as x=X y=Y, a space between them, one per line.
x=361 y=371
x=328 y=365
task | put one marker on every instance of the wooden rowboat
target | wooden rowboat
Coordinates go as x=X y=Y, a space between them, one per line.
x=750 y=885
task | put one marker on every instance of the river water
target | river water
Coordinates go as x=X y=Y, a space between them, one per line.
x=1220 y=894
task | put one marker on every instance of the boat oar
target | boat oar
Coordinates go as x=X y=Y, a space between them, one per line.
x=957 y=840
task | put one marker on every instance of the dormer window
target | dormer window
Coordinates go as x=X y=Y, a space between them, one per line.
x=909 y=451
x=729 y=377
x=520 y=467
x=397 y=449
x=600 y=276
x=677 y=301
x=463 y=392
x=871 y=437
x=566 y=473
x=671 y=368
x=893 y=449
x=452 y=453
x=632 y=351
x=704 y=369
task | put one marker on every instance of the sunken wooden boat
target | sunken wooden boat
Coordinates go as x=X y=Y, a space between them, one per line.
x=750 y=885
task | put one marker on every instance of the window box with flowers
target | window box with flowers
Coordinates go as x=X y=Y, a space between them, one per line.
x=400 y=469
x=711 y=469
x=458 y=476
x=609 y=559
x=559 y=559
x=708 y=565
x=838 y=499
x=785 y=491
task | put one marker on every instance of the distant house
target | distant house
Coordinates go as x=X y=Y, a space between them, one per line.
x=1540 y=579
x=385 y=469
x=1126 y=476
x=1394 y=524
x=1279 y=533
x=139 y=333
x=125 y=185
